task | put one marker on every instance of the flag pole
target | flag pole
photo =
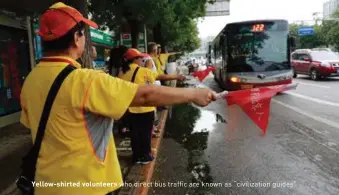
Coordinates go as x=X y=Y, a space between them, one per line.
x=223 y=94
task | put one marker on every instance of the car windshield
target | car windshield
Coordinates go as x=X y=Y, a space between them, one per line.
x=324 y=55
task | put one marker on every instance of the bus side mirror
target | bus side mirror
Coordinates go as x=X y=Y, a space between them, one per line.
x=209 y=54
x=292 y=42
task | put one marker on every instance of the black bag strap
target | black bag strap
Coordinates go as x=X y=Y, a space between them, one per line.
x=135 y=74
x=160 y=61
x=47 y=108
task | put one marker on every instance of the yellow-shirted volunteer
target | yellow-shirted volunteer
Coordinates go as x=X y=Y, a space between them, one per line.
x=78 y=144
x=143 y=76
x=163 y=57
x=141 y=119
x=158 y=65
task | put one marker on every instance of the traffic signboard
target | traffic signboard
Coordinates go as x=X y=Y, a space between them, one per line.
x=306 y=31
x=126 y=36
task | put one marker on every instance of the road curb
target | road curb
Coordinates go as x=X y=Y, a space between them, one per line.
x=147 y=170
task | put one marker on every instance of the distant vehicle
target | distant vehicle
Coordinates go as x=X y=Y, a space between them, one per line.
x=317 y=64
x=252 y=54
x=190 y=65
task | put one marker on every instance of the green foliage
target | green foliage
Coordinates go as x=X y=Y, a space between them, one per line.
x=309 y=41
x=331 y=32
x=326 y=35
x=171 y=20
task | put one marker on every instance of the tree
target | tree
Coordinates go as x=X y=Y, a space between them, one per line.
x=115 y=13
x=331 y=32
x=308 y=41
x=178 y=27
x=171 y=22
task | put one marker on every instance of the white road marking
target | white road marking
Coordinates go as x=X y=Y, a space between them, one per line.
x=318 y=157
x=331 y=144
x=312 y=99
x=314 y=85
x=310 y=137
x=316 y=118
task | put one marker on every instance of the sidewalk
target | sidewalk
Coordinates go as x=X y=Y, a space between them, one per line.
x=138 y=174
x=15 y=143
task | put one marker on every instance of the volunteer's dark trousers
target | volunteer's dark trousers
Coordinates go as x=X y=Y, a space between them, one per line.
x=141 y=133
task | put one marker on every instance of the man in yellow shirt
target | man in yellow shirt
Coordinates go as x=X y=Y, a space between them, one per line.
x=141 y=119
x=152 y=49
x=163 y=57
x=78 y=154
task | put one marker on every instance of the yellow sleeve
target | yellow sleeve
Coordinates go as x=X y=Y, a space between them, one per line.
x=164 y=57
x=109 y=96
x=158 y=66
x=151 y=76
x=24 y=115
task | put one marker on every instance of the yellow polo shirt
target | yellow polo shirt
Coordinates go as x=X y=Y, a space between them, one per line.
x=78 y=154
x=158 y=65
x=143 y=76
x=164 y=59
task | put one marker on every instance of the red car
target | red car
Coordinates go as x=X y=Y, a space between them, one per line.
x=315 y=63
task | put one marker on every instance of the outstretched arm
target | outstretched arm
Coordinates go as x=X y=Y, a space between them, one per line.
x=153 y=95
x=174 y=53
x=169 y=77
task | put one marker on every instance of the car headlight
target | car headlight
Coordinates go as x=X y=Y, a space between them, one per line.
x=326 y=64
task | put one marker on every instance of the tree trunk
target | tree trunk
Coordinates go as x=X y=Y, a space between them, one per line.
x=134 y=24
x=81 y=5
x=157 y=35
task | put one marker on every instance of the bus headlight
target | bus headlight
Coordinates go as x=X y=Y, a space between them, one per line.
x=235 y=79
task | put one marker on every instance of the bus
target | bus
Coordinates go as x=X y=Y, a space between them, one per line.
x=252 y=54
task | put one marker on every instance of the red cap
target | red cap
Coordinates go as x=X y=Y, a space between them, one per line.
x=134 y=53
x=59 y=19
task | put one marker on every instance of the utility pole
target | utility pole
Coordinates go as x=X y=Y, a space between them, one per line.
x=316 y=17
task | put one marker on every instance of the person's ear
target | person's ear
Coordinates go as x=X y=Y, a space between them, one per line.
x=77 y=39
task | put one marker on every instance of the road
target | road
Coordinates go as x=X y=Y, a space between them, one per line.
x=224 y=153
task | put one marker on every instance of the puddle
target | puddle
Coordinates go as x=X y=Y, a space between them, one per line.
x=207 y=121
x=191 y=126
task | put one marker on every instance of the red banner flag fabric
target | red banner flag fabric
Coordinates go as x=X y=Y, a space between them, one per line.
x=255 y=103
x=203 y=73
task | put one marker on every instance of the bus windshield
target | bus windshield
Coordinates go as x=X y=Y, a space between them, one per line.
x=257 y=47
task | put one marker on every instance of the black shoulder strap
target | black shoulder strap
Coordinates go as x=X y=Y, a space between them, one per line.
x=160 y=61
x=48 y=105
x=134 y=74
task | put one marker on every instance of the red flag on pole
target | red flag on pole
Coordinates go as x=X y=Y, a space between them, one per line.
x=203 y=73
x=256 y=102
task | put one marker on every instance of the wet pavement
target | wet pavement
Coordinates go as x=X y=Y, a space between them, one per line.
x=214 y=151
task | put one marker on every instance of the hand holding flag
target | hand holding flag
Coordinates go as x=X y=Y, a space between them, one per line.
x=254 y=102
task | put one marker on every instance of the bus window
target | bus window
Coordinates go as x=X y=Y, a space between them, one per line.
x=223 y=50
x=263 y=49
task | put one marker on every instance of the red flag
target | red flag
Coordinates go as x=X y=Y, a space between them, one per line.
x=255 y=103
x=203 y=73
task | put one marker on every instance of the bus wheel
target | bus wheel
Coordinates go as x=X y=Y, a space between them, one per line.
x=314 y=74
